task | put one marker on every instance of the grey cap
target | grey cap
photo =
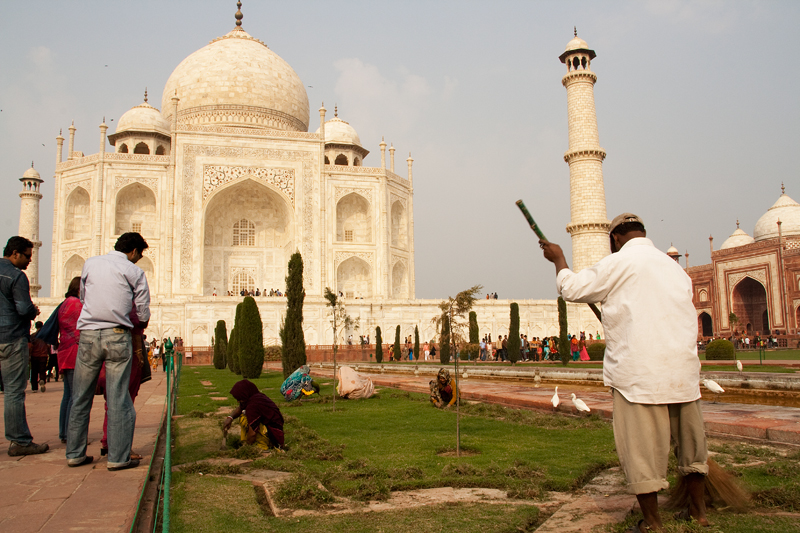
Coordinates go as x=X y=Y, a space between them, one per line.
x=622 y=219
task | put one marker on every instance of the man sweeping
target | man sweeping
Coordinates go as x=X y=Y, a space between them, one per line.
x=651 y=362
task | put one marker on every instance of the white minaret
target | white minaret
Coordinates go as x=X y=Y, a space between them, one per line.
x=29 y=222
x=588 y=220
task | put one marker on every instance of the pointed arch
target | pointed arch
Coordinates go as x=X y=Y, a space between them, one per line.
x=399 y=225
x=77 y=223
x=141 y=148
x=353 y=219
x=72 y=268
x=354 y=278
x=136 y=205
x=749 y=302
x=399 y=280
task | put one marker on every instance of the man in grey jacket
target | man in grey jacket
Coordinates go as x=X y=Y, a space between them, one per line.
x=16 y=312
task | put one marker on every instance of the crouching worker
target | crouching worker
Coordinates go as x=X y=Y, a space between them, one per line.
x=443 y=390
x=260 y=419
x=298 y=384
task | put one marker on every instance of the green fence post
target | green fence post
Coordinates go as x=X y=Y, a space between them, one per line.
x=168 y=443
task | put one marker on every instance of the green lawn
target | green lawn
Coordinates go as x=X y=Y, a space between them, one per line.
x=792 y=354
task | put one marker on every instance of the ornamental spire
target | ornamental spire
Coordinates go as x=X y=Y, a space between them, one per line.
x=239 y=15
x=783 y=188
x=575 y=31
x=145 y=95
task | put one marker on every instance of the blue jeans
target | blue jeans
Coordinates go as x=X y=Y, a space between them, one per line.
x=14 y=359
x=113 y=347
x=66 y=402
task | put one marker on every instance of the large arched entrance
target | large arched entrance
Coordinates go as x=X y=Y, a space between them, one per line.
x=354 y=278
x=705 y=327
x=750 y=305
x=248 y=239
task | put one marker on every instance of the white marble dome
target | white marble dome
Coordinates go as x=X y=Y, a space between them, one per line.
x=737 y=238
x=576 y=44
x=673 y=251
x=237 y=80
x=785 y=209
x=337 y=131
x=143 y=117
x=31 y=174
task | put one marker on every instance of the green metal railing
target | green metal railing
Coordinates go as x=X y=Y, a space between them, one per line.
x=162 y=505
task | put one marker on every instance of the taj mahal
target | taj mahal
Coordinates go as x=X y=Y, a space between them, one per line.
x=231 y=175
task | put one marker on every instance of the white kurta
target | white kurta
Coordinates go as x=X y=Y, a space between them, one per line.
x=649 y=320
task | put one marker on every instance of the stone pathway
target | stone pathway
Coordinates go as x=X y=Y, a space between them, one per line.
x=40 y=493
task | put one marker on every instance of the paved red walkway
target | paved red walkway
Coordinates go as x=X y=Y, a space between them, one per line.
x=769 y=423
x=40 y=493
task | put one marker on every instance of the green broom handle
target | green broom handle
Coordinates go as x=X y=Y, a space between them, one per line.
x=539 y=234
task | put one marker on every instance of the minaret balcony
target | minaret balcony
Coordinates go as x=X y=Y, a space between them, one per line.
x=597 y=154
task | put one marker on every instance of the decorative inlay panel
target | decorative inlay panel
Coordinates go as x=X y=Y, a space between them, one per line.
x=758 y=275
x=83 y=252
x=86 y=184
x=344 y=191
x=215 y=176
x=344 y=256
x=263 y=131
x=399 y=259
x=395 y=198
x=122 y=181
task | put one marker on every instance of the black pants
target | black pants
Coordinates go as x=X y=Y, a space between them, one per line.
x=38 y=371
x=52 y=364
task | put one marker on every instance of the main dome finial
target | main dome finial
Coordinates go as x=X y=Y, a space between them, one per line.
x=239 y=15
x=145 y=95
x=575 y=31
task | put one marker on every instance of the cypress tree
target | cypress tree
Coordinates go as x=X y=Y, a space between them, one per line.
x=220 y=345
x=444 y=341
x=233 y=344
x=416 y=342
x=474 y=334
x=293 y=342
x=230 y=353
x=378 y=347
x=251 y=343
x=513 y=334
x=397 y=352
x=563 y=342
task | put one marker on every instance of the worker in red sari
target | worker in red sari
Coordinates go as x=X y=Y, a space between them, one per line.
x=260 y=419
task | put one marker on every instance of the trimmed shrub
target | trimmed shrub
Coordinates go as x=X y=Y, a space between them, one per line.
x=563 y=342
x=220 y=345
x=233 y=343
x=513 y=334
x=251 y=341
x=230 y=355
x=474 y=333
x=293 y=342
x=378 y=345
x=597 y=351
x=444 y=341
x=272 y=353
x=397 y=352
x=719 y=349
x=470 y=352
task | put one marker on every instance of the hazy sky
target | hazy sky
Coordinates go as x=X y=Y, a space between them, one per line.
x=697 y=107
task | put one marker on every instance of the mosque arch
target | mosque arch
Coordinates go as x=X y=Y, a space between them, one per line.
x=704 y=325
x=356 y=162
x=749 y=302
x=399 y=225
x=161 y=150
x=72 y=268
x=77 y=222
x=268 y=236
x=122 y=148
x=354 y=278
x=341 y=159
x=702 y=295
x=141 y=148
x=135 y=210
x=399 y=280
x=353 y=219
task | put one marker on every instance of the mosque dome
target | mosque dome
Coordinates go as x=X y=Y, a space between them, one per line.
x=785 y=209
x=237 y=80
x=737 y=238
x=337 y=131
x=673 y=251
x=143 y=117
x=576 y=44
x=31 y=174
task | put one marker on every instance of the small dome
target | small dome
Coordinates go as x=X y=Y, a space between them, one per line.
x=337 y=131
x=236 y=79
x=576 y=44
x=673 y=251
x=143 y=117
x=31 y=174
x=737 y=238
x=785 y=209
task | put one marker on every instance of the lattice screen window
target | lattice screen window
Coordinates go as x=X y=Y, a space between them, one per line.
x=242 y=281
x=136 y=227
x=244 y=233
x=348 y=235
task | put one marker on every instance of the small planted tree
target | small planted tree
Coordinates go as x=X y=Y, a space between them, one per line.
x=416 y=342
x=378 y=345
x=293 y=342
x=220 y=345
x=339 y=319
x=513 y=334
x=474 y=332
x=563 y=341
x=396 y=351
x=250 y=345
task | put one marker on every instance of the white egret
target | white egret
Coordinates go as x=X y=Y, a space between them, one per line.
x=554 y=400
x=579 y=404
x=739 y=365
x=714 y=387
